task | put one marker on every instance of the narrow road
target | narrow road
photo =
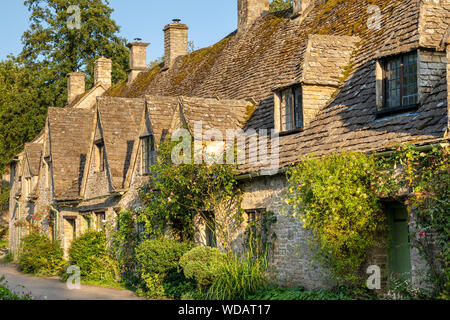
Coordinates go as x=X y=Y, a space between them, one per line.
x=54 y=289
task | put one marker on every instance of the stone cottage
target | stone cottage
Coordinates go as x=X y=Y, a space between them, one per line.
x=324 y=77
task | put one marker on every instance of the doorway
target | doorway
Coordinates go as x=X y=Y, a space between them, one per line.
x=399 y=244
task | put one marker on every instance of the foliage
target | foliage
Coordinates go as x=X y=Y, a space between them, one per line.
x=4 y=196
x=33 y=223
x=427 y=174
x=402 y=289
x=202 y=264
x=238 y=278
x=89 y=253
x=176 y=285
x=299 y=293
x=3 y=244
x=258 y=237
x=156 y=259
x=37 y=78
x=40 y=256
x=178 y=193
x=124 y=243
x=279 y=5
x=8 y=258
x=335 y=198
x=7 y=295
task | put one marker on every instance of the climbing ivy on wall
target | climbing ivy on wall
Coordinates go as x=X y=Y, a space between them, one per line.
x=427 y=175
x=178 y=193
x=335 y=198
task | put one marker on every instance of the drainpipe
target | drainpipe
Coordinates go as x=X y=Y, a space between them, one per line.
x=56 y=220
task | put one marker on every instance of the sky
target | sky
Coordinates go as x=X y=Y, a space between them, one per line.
x=208 y=20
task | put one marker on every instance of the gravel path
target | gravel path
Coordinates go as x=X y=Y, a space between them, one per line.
x=54 y=289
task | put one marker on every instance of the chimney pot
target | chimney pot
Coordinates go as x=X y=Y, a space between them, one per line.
x=138 y=59
x=249 y=11
x=175 y=41
x=102 y=72
x=75 y=85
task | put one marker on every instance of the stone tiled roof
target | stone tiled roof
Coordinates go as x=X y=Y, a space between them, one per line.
x=33 y=152
x=70 y=133
x=274 y=52
x=120 y=121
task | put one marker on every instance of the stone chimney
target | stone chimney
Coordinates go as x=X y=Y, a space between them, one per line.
x=175 y=41
x=300 y=6
x=249 y=11
x=102 y=72
x=75 y=85
x=138 y=59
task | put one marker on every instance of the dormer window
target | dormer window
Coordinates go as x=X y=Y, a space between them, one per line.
x=99 y=155
x=148 y=153
x=289 y=105
x=399 y=83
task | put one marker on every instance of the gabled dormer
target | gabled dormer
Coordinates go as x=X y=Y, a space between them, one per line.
x=115 y=127
x=325 y=62
x=96 y=180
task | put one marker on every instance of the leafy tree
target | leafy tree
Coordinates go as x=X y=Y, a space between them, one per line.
x=54 y=47
x=278 y=5
x=37 y=78
x=22 y=115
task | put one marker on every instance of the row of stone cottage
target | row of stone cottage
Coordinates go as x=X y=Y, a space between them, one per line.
x=318 y=75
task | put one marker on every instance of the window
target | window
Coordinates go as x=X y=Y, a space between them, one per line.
x=256 y=234
x=400 y=82
x=27 y=186
x=99 y=156
x=210 y=230
x=101 y=221
x=148 y=153
x=291 y=109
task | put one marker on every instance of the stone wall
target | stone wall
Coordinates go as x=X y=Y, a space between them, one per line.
x=433 y=22
x=431 y=66
x=292 y=256
x=315 y=97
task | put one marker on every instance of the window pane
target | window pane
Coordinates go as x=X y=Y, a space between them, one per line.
x=410 y=87
x=287 y=116
x=393 y=83
x=298 y=108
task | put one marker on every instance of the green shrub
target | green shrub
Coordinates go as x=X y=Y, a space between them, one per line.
x=40 y=256
x=89 y=253
x=202 y=264
x=156 y=259
x=8 y=258
x=3 y=244
x=7 y=295
x=176 y=285
x=299 y=293
x=336 y=199
x=238 y=279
